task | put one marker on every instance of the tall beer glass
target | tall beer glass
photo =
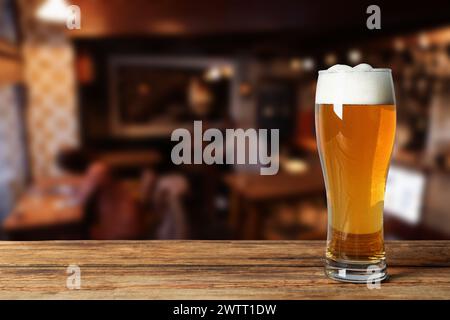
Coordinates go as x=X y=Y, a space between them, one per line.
x=355 y=127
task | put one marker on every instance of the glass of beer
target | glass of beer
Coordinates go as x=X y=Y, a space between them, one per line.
x=355 y=128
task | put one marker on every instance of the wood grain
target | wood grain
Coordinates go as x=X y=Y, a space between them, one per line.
x=211 y=270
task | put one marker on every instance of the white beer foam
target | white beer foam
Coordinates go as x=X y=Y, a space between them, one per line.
x=362 y=84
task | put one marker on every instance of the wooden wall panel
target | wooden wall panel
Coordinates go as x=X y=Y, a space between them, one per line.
x=199 y=17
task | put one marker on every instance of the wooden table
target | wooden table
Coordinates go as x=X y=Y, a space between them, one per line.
x=131 y=159
x=251 y=193
x=211 y=270
x=47 y=209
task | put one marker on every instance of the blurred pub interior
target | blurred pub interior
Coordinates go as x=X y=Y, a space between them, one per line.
x=86 y=115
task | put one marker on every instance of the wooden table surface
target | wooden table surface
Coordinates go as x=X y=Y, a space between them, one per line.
x=121 y=159
x=48 y=203
x=211 y=270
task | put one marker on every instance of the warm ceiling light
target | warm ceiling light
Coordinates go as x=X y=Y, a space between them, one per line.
x=55 y=11
x=213 y=74
x=330 y=59
x=424 y=41
x=399 y=45
x=354 y=56
x=227 y=71
x=308 y=64
x=296 y=64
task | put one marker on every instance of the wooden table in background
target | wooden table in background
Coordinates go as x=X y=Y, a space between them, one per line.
x=211 y=270
x=48 y=210
x=130 y=159
x=251 y=193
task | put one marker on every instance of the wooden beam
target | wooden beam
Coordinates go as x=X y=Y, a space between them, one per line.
x=10 y=63
x=102 y=18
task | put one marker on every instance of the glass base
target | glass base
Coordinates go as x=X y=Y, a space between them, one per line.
x=353 y=272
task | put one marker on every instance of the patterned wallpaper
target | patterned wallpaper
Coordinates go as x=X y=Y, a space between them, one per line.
x=52 y=116
x=12 y=151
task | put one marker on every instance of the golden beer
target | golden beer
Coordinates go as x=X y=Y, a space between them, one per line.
x=355 y=143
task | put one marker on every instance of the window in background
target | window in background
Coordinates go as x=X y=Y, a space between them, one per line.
x=12 y=155
x=404 y=194
x=8 y=30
